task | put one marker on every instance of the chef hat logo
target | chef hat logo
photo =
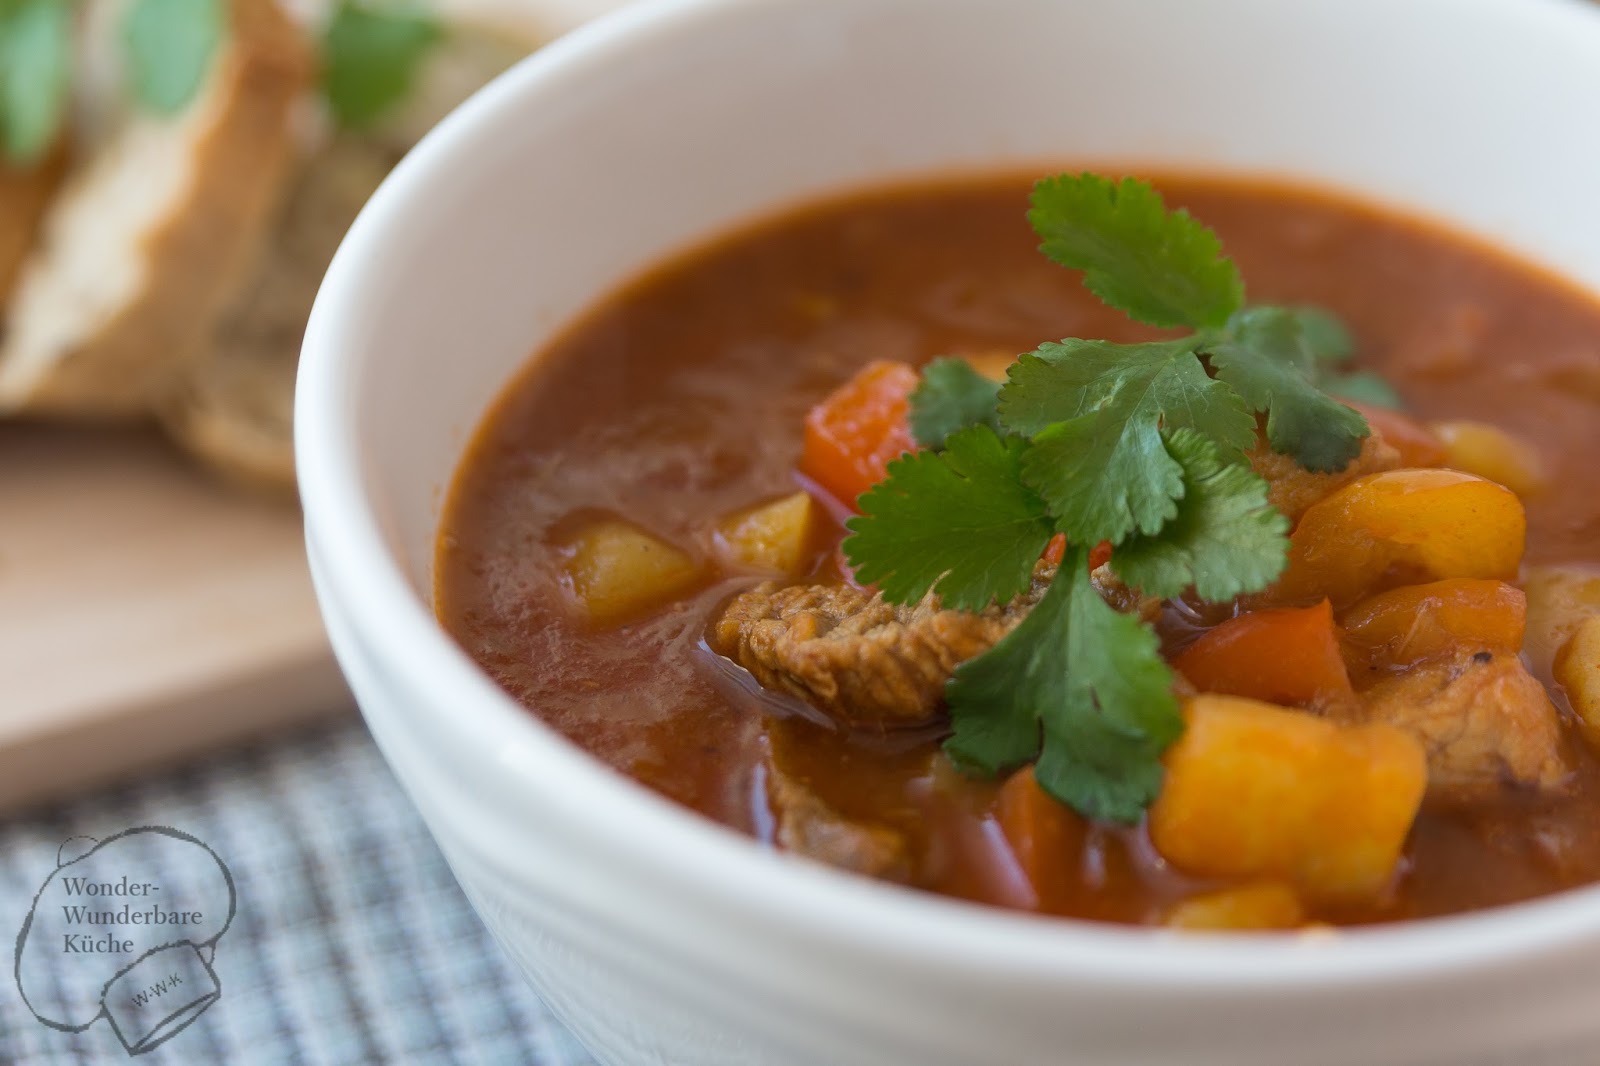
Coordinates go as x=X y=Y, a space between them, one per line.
x=126 y=928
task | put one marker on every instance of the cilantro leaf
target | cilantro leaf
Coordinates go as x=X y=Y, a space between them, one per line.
x=1328 y=343
x=959 y=521
x=1102 y=751
x=951 y=396
x=35 y=55
x=371 y=57
x=1265 y=358
x=1095 y=411
x=1139 y=444
x=1364 y=386
x=171 y=44
x=1082 y=687
x=1324 y=334
x=1161 y=267
x=996 y=699
x=1225 y=539
x=1104 y=476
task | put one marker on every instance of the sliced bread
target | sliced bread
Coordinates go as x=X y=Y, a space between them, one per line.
x=233 y=407
x=25 y=195
x=151 y=237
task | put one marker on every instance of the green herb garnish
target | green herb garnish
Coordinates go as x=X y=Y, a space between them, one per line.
x=960 y=522
x=1142 y=445
x=370 y=59
x=171 y=46
x=1264 y=357
x=951 y=395
x=1089 y=681
x=1161 y=267
x=1363 y=386
x=35 y=54
x=1095 y=412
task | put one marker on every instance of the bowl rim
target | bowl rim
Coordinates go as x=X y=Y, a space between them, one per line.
x=690 y=851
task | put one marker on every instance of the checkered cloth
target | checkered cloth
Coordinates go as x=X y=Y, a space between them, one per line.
x=351 y=943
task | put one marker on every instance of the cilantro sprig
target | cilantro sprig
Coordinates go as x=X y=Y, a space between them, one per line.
x=171 y=46
x=1161 y=267
x=950 y=396
x=1142 y=445
x=1087 y=677
x=960 y=522
x=371 y=55
x=35 y=50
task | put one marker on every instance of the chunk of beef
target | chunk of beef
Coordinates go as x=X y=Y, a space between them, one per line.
x=868 y=663
x=806 y=824
x=857 y=658
x=1485 y=721
x=1292 y=489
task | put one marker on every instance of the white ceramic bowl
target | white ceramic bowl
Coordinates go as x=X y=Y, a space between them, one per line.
x=662 y=938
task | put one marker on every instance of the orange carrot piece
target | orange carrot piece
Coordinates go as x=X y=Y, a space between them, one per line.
x=1045 y=834
x=1285 y=656
x=1416 y=443
x=1100 y=555
x=1416 y=622
x=853 y=435
x=1056 y=550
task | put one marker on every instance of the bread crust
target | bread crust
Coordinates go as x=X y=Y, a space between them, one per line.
x=25 y=196
x=233 y=407
x=194 y=259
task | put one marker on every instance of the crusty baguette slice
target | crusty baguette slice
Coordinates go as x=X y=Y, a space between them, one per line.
x=153 y=235
x=25 y=195
x=232 y=408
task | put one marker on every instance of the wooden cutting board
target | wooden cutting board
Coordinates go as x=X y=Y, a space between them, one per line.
x=147 y=613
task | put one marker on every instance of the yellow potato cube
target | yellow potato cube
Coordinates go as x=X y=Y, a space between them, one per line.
x=1254 y=790
x=1491 y=452
x=1403 y=527
x=616 y=571
x=1577 y=670
x=1560 y=599
x=774 y=537
x=1263 y=905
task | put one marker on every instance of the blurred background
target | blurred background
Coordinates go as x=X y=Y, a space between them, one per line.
x=175 y=176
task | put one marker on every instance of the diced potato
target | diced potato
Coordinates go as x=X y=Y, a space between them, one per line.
x=1403 y=527
x=1577 y=670
x=1441 y=618
x=1255 y=790
x=1491 y=452
x=1264 y=905
x=1560 y=599
x=617 y=570
x=993 y=365
x=774 y=537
